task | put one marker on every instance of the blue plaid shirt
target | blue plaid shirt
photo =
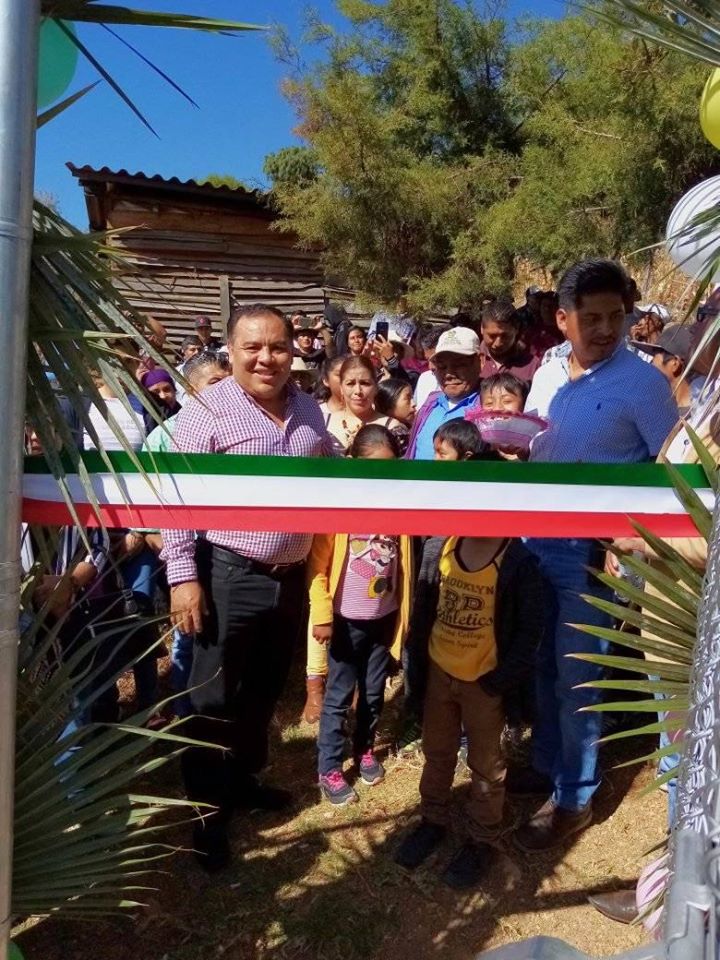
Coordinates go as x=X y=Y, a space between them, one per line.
x=619 y=411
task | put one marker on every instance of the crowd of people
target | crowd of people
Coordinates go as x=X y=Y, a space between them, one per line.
x=479 y=625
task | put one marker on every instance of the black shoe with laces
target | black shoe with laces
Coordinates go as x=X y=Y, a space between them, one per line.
x=419 y=844
x=469 y=866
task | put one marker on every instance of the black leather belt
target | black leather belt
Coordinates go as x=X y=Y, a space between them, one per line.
x=277 y=571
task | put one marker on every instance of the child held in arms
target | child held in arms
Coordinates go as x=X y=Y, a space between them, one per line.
x=477 y=618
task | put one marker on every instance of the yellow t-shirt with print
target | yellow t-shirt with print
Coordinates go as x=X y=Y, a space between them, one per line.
x=462 y=642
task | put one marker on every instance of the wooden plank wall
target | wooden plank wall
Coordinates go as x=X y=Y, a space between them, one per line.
x=186 y=262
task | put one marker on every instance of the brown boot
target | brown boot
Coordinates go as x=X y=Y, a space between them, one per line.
x=618 y=905
x=315 y=687
x=550 y=827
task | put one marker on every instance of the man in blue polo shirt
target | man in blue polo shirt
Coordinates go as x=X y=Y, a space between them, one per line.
x=457 y=369
x=603 y=405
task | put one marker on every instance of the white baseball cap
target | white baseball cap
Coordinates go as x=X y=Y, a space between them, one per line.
x=460 y=340
x=658 y=310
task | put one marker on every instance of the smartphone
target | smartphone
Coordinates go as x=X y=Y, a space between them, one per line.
x=382 y=329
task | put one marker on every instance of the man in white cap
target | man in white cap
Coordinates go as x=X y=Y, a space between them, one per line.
x=652 y=319
x=457 y=368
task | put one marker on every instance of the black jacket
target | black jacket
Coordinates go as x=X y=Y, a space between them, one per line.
x=519 y=615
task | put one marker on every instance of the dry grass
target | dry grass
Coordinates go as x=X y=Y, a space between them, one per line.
x=320 y=884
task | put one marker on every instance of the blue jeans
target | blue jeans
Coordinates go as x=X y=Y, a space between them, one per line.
x=359 y=655
x=140 y=575
x=666 y=764
x=181 y=660
x=565 y=741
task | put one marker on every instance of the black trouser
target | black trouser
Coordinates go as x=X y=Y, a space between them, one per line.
x=241 y=659
x=359 y=655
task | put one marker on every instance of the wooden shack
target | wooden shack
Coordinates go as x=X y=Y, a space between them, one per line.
x=198 y=249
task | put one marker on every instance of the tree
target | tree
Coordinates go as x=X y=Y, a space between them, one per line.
x=391 y=115
x=292 y=166
x=444 y=152
x=612 y=141
x=225 y=180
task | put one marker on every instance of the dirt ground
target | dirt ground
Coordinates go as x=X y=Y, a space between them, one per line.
x=320 y=884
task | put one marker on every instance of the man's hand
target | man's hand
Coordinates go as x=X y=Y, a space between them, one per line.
x=57 y=590
x=322 y=632
x=188 y=607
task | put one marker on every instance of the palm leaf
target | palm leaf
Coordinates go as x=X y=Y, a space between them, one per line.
x=47 y=115
x=83 y=838
x=79 y=11
x=677 y=26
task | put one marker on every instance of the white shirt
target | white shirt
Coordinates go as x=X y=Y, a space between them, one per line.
x=129 y=423
x=426 y=384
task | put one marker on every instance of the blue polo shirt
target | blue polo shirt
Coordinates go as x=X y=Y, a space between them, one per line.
x=619 y=411
x=443 y=411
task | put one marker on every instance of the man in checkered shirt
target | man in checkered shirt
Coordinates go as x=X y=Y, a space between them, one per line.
x=241 y=594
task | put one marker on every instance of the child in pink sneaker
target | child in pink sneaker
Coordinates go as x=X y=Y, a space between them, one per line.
x=360 y=588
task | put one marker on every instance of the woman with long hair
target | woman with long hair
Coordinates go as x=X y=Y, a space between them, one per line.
x=358 y=382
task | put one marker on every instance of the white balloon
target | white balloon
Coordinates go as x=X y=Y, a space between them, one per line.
x=694 y=247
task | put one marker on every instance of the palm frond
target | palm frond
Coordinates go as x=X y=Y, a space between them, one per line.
x=84 y=839
x=678 y=25
x=94 y=12
x=47 y=115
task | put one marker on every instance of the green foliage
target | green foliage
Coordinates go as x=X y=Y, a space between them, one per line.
x=445 y=152
x=85 y=842
x=390 y=114
x=668 y=621
x=612 y=141
x=293 y=166
x=225 y=180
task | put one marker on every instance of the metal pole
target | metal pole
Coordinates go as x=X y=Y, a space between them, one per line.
x=19 y=31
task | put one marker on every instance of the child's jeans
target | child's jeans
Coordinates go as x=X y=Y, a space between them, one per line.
x=359 y=655
x=450 y=706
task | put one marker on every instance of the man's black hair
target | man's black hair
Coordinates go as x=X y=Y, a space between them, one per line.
x=258 y=310
x=192 y=340
x=501 y=311
x=590 y=277
x=429 y=338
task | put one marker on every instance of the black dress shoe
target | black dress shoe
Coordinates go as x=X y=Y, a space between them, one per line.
x=419 y=844
x=211 y=847
x=469 y=865
x=527 y=782
x=619 y=905
x=254 y=795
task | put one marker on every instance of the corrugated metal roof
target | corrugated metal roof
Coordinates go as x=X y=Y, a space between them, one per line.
x=106 y=175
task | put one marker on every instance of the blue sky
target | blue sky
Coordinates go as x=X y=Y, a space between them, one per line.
x=235 y=82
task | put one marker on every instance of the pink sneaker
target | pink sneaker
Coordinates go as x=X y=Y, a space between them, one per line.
x=371 y=770
x=335 y=788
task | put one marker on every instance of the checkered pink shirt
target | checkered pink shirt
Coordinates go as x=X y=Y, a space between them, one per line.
x=227 y=420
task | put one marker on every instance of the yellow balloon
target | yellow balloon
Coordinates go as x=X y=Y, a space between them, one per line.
x=710 y=109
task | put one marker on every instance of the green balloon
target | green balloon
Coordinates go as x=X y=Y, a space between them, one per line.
x=58 y=61
x=14 y=952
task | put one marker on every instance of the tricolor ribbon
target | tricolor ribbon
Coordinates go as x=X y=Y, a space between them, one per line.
x=297 y=495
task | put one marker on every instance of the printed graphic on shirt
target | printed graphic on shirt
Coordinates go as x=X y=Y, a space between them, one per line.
x=462 y=642
x=368 y=588
x=373 y=559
